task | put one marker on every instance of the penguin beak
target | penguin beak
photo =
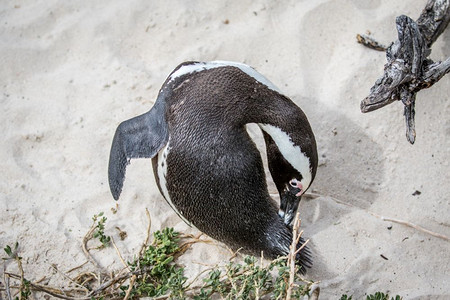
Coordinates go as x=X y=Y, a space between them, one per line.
x=289 y=201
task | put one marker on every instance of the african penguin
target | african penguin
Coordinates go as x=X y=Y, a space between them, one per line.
x=206 y=165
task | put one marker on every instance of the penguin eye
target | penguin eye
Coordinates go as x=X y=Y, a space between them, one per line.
x=293 y=183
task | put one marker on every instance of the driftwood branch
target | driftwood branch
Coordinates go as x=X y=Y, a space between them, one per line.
x=408 y=69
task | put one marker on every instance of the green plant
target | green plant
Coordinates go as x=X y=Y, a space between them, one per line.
x=12 y=253
x=155 y=273
x=100 y=230
x=382 y=296
x=158 y=274
x=24 y=288
x=251 y=280
x=376 y=296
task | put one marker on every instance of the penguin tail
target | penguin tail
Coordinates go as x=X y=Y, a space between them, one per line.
x=303 y=258
x=279 y=240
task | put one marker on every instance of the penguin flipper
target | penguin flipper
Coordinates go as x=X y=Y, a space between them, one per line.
x=140 y=137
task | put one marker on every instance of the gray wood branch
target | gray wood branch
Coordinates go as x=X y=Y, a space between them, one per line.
x=408 y=69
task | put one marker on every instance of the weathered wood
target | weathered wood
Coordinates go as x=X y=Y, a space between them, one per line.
x=370 y=42
x=434 y=19
x=408 y=69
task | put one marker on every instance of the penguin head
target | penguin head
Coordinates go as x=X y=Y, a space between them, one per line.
x=290 y=198
x=292 y=160
x=293 y=178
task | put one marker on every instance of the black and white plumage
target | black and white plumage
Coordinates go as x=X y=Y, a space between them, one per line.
x=206 y=165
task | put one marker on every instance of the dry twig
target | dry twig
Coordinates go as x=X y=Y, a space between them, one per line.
x=408 y=69
x=370 y=42
x=86 y=239
x=412 y=225
x=70 y=279
x=77 y=267
x=293 y=254
x=7 y=289
x=119 y=254
x=406 y=223
x=59 y=293
x=147 y=238
x=130 y=287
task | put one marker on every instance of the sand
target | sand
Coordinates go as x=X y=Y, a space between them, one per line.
x=73 y=70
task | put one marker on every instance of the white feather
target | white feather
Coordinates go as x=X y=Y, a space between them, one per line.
x=292 y=153
x=201 y=66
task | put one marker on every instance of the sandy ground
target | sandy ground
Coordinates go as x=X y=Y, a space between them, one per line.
x=71 y=71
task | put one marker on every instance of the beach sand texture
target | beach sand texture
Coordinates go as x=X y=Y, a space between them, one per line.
x=71 y=71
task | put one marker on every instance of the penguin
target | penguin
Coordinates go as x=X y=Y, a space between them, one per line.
x=206 y=165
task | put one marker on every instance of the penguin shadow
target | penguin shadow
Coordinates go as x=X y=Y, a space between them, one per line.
x=350 y=170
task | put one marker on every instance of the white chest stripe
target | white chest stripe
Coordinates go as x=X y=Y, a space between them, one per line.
x=201 y=66
x=293 y=154
x=162 y=172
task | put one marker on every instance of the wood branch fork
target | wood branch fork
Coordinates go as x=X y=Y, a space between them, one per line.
x=408 y=69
